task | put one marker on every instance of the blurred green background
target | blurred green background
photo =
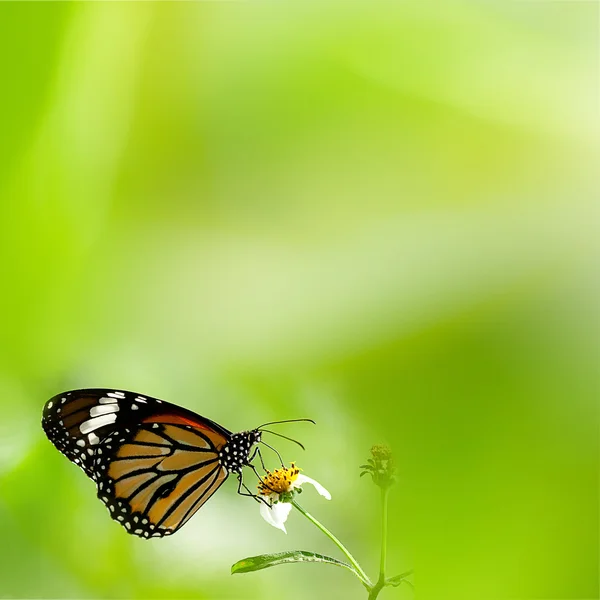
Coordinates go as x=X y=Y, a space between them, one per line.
x=378 y=215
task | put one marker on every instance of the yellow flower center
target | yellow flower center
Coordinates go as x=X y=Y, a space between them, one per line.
x=278 y=481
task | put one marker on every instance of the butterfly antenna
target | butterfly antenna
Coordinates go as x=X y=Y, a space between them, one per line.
x=271 y=447
x=285 y=437
x=286 y=421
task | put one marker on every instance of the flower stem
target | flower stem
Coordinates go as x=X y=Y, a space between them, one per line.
x=361 y=574
x=374 y=591
x=384 y=518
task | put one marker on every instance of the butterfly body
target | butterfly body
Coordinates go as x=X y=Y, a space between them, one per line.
x=154 y=463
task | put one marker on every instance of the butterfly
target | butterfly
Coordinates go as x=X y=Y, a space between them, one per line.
x=154 y=463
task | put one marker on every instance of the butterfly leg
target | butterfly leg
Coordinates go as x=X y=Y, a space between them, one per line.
x=262 y=462
x=250 y=494
x=261 y=479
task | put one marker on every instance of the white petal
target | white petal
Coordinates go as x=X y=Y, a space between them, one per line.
x=266 y=514
x=276 y=515
x=280 y=512
x=304 y=479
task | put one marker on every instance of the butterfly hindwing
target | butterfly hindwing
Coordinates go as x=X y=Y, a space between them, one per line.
x=155 y=477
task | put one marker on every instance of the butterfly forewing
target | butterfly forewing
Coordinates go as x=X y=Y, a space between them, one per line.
x=76 y=421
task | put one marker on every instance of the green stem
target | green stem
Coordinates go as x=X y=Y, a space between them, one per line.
x=384 y=518
x=374 y=591
x=362 y=575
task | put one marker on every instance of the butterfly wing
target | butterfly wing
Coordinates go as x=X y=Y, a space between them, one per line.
x=154 y=478
x=154 y=463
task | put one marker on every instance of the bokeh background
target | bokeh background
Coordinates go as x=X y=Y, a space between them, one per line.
x=378 y=215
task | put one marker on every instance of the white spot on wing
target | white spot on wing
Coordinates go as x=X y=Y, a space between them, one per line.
x=116 y=394
x=50 y=404
x=96 y=423
x=81 y=443
x=134 y=407
x=98 y=411
x=107 y=401
x=93 y=439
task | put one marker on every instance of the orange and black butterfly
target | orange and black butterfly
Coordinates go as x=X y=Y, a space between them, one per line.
x=154 y=463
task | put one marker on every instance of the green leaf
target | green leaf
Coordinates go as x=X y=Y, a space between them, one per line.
x=256 y=563
x=398 y=579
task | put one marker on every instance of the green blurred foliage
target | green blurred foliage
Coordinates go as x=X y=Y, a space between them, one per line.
x=377 y=215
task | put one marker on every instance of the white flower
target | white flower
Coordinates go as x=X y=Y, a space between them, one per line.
x=277 y=490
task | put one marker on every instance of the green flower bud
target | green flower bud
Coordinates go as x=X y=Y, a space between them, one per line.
x=381 y=466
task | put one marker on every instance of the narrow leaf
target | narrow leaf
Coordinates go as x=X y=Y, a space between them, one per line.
x=256 y=563
x=398 y=579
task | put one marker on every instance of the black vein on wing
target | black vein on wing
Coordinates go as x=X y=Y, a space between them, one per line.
x=87 y=407
x=189 y=491
x=193 y=508
x=179 y=472
x=176 y=446
x=141 y=488
x=190 y=430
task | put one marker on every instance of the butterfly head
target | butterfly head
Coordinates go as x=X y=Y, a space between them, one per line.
x=255 y=436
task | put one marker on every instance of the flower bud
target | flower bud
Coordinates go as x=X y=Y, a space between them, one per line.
x=381 y=466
